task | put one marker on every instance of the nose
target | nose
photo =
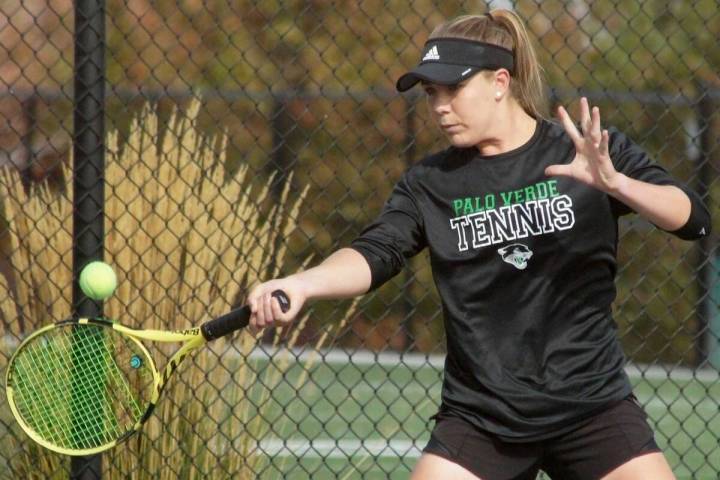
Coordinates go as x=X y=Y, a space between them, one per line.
x=440 y=103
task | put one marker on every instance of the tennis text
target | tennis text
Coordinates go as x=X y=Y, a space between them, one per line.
x=512 y=222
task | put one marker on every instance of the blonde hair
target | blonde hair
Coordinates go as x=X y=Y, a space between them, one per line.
x=505 y=29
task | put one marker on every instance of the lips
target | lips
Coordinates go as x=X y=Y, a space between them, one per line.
x=451 y=128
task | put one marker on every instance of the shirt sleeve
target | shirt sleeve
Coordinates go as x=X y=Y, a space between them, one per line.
x=631 y=160
x=396 y=235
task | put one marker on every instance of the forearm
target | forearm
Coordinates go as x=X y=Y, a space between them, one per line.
x=666 y=206
x=343 y=274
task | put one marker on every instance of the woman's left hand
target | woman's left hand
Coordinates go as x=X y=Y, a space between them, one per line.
x=592 y=164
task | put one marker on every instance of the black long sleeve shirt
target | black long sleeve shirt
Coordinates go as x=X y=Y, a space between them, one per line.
x=525 y=267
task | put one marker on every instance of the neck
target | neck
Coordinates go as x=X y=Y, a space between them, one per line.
x=513 y=131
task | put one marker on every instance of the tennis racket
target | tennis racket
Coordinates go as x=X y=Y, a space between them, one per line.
x=82 y=386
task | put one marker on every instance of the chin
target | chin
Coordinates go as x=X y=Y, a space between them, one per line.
x=460 y=142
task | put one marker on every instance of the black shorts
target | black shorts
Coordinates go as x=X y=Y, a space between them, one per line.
x=592 y=450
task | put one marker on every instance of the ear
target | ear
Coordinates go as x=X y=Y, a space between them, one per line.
x=501 y=82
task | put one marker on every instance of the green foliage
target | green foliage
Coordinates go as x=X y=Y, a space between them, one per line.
x=308 y=86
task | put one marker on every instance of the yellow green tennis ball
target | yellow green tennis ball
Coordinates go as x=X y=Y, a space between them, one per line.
x=98 y=280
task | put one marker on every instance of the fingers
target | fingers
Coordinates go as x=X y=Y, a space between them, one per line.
x=595 y=131
x=263 y=313
x=558 y=170
x=265 y=307
x=585 y=118
x=589 y=124
x=568 y=125
x=605 y=143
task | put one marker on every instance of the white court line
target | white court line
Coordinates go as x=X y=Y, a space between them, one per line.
x=354 y=357
x=324 y=448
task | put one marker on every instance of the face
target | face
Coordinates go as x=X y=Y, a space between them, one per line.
x=464 y=112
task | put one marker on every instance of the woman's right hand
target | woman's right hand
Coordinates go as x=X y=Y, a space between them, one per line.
x=343 y=274
x=265 y=308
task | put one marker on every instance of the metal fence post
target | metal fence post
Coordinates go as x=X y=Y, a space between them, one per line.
x=281 y=159
x=706 y=342
x=88 y=169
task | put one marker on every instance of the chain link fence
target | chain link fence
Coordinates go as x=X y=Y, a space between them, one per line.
x=248 y=139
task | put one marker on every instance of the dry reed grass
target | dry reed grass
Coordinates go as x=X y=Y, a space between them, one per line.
x=38 y=246
x=185 y=241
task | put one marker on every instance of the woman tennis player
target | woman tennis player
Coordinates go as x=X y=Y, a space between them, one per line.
x=520 y=216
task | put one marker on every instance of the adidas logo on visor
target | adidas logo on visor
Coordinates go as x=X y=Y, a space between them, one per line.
x=432 y=54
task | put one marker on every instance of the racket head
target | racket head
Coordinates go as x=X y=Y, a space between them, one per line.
x=79 y=387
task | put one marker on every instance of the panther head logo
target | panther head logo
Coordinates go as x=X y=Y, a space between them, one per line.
x=516 y=255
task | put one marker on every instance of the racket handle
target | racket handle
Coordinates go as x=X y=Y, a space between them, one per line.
x=237 y=319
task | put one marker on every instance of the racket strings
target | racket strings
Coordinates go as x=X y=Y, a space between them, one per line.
x=82 y=387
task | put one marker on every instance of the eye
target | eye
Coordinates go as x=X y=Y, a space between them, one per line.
x=429 y=91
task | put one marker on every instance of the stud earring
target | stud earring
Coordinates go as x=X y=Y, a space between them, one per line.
x=497 y=94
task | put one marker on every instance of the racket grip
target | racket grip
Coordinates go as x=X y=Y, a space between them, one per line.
x=237 y=319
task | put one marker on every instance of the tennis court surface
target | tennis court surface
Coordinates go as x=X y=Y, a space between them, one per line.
x=358 y=415
x=337 y=414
